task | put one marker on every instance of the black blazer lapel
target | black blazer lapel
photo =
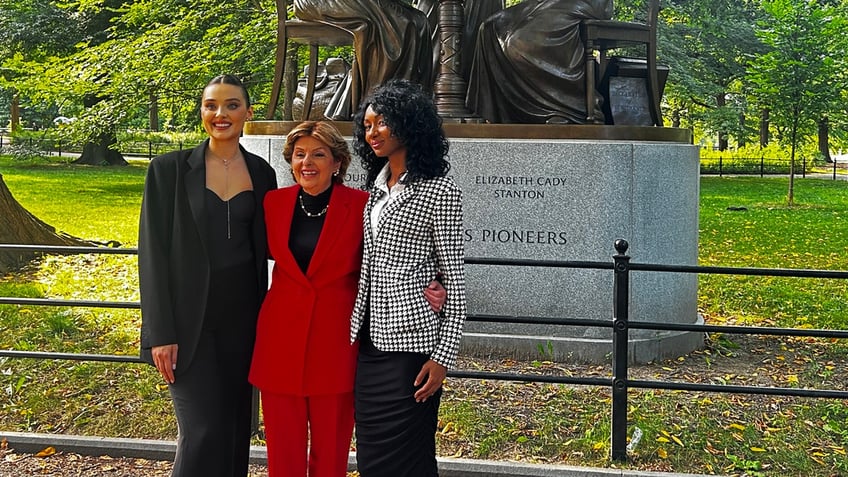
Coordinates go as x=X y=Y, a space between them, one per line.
x=263 y=180
x=195 y=186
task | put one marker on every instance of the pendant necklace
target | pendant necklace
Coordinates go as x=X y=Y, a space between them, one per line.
x=226 y=163
x=308 y=213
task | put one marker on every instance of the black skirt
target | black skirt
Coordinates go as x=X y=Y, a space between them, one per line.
x=395 y=436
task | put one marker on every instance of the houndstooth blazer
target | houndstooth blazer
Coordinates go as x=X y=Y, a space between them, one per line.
x=420 y=236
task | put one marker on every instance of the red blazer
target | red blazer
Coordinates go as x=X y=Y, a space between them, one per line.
x=302 y=337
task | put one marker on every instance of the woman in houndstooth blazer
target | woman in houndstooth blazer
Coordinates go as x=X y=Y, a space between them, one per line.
x=412 y=233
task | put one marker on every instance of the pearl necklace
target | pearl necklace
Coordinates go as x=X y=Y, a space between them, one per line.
x=308 y=213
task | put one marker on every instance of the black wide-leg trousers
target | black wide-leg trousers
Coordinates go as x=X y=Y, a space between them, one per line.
x=212 y=397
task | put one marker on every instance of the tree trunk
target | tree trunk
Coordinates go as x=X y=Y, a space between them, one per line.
x=722 y=141
x=19 y=227
x=721 y=101
x=99 y=153
x=154 y=111
x=824 y=139
x=790 y=199
x=764 y=128
x=16 y=113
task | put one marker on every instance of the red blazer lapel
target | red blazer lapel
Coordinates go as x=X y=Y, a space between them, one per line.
x=335 y=228
x=279 y=218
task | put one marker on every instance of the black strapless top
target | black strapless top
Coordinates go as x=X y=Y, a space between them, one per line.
x=229 y=226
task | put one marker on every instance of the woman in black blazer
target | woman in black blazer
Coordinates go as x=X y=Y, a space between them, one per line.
x=203 y=273
x=412 y=233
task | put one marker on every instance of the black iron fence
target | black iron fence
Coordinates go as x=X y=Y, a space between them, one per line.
x=763 y=166
x=61 y=147
x=618 y=382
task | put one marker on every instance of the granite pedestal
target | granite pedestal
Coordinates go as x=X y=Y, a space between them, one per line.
x=566 y=197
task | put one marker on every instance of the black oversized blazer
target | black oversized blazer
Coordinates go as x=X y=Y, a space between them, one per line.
x=173 y=264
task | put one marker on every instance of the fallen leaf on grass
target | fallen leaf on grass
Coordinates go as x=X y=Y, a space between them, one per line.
x=712 y=450
x=662 y=453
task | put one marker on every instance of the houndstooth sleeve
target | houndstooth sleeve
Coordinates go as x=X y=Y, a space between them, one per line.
x=450 y=261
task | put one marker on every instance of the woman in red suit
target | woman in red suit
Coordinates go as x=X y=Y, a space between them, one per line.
x=303 y=361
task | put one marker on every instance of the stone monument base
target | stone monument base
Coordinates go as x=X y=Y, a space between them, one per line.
x=565 y=193
x=664 y=345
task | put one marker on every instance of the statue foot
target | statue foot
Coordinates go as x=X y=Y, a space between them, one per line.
x=557 y=120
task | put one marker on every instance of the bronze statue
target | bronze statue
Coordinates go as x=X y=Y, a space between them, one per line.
x=475 y=11
x=528 y=64
x=391 y=40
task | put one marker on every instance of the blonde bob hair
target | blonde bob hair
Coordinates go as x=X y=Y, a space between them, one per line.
x=326 y=133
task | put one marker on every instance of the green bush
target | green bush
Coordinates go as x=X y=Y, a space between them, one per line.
x=135 y=142
x=772 y=159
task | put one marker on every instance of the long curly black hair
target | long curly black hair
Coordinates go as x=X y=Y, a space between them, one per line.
x=411 y=115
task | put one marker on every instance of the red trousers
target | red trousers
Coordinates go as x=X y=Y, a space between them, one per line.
x=308 y=433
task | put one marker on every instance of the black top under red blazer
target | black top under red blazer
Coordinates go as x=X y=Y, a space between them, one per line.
x=302 y=345
x=173 y=264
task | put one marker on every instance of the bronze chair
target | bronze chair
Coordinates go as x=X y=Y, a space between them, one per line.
x=603 y=35
x=314 y=34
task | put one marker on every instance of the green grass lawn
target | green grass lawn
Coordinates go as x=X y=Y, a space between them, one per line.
x=686 y=432
x=811 y=235
x=91 y=202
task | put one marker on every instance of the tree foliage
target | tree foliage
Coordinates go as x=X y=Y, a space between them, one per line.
x=801 y=77
x=135 y=56
x=707 y=45
x=128 y=54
